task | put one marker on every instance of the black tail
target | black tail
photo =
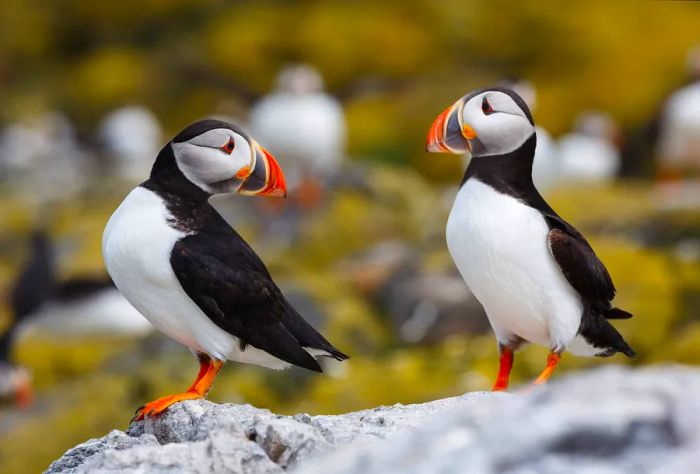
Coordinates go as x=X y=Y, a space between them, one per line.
x=336 y=354
x=601 y=334
x=281 y=343
x=308 y=336
x=617 y=313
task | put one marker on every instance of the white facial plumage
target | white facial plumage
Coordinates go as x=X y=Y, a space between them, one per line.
x=501 y=126
x=206 y=161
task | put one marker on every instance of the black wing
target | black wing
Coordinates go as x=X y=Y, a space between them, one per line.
x=572 y=252
x=582 y=267
x=230 y=283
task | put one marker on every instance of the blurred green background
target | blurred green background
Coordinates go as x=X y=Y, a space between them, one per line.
x=395 y=65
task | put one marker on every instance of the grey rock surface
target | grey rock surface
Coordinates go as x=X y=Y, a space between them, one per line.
x=611 y=420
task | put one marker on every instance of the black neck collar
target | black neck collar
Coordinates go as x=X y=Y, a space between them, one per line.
x=510 y=173
x=170 y=183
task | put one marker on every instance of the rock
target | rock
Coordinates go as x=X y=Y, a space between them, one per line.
x=611 y=420
x=429 y=308
x=369 y=271
x=422 y=306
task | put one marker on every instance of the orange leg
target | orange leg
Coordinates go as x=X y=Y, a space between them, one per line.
x=208 y=369
x=552 y=361
x=504 y=368
x=204 y=363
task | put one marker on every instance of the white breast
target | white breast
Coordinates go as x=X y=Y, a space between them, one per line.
x=500 y=247
x=136 y=246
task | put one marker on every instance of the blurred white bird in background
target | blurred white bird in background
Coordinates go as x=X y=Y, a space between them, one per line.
x=301 y=125
x=589 y=153
x=678 y=145
x=41 y=161
x=131 y=136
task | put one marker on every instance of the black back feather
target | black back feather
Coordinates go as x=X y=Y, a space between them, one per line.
x=222 y=274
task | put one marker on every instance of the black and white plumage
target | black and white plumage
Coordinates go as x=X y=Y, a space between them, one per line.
x=86 y=305
x=41 y=304
x=547 y=167
x=536 y=276
x=189 y=273
x=32 y=287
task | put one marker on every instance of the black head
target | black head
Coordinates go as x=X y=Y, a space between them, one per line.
x=217 y=157
x=486 y=122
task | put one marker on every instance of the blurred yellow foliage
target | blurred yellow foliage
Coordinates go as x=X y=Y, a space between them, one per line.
x=395 y=65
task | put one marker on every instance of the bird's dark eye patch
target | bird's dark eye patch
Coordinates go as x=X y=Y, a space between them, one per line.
x=228 y=146
x=486 y=107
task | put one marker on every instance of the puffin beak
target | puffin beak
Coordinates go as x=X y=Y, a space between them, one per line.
x=24 y=395
x=266 y=177
x=448 y=134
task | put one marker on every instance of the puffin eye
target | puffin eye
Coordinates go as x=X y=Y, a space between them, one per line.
x=228 y=146
x=486 y=107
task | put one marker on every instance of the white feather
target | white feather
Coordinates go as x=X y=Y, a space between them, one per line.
x=105 y=312
x=500 y=247
x=136 y=246
x=501 y=132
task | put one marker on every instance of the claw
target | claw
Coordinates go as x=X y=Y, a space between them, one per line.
x=157 y=407
x=136 y=414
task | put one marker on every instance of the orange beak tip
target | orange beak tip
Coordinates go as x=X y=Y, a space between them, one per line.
x=436 y=135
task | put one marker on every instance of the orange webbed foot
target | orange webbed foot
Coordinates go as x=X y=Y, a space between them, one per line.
x=156 y=407
x=208 y=369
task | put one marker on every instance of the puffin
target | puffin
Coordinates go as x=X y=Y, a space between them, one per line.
x=536 y=276
x=180 y=264
x=83 y=305
x=589 y=153
x=302 y=124
x=30 y=289
x=678 y=144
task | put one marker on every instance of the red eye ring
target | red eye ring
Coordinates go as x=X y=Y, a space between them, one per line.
x=486 y=107
x=228 y=146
